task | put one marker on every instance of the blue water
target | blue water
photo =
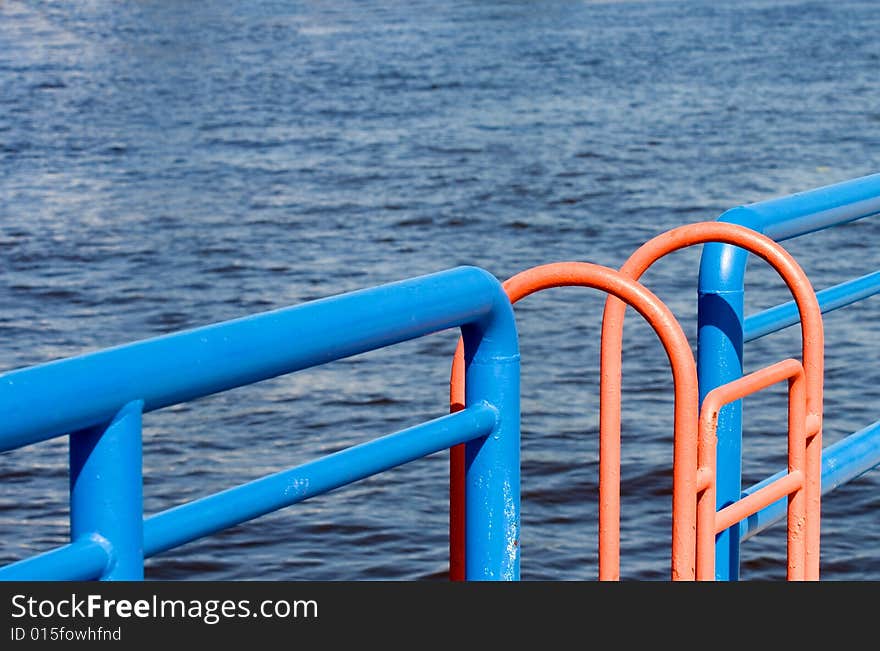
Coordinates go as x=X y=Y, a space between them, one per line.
x=165 y=165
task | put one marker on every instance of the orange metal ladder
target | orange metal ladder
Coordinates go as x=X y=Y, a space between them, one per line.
x=695 y=522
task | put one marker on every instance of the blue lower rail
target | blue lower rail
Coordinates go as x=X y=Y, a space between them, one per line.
x=842 y=462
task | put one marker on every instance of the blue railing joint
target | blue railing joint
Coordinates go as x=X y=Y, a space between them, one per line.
x=488 y=406
x=106 y=545
x=721 y=292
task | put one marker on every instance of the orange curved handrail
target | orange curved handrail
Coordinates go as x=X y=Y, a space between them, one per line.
x=685 y=470
x=669 y=331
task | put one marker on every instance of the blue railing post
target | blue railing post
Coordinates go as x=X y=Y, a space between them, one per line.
x=106 y=491
x=492 y=476
x=720 y=307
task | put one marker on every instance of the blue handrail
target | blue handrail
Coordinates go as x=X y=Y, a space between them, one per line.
x=98 y=398
x=722 y=330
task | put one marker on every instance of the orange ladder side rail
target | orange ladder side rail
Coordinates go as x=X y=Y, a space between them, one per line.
x=793 y=484
x=684 y=371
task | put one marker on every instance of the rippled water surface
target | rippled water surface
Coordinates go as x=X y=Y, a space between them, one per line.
x=166 y=165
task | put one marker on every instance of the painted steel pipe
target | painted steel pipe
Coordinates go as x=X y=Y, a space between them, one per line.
x=202 y=517
x=106 y=491
x=813 y=362
x=685 y=446
x=806 y=212
x=719 y=361
x=48 y=400
x=832 y=298
x=85 y=559
x=720 y=313
x=842 y=462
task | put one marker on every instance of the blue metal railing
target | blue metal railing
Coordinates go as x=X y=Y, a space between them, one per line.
x=99 y=398
x=723 y=330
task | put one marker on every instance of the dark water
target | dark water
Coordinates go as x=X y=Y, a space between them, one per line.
x=165 y=165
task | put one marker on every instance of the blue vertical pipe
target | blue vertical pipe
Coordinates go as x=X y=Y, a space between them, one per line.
x=492 y=473
x=106 y=491
x=720 y=315
x=719 y=360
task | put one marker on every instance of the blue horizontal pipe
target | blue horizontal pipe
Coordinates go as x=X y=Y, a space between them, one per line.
x=83 y=560
x=187 y=522
x=722 y=266
x=832 y=298
x=58 y=397
x=841 y=462
x=806 y=212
